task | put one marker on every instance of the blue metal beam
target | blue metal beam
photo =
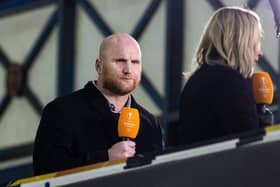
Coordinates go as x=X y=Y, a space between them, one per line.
x=252 y=4
x=16 y=151
x=12 y=7
x=174 y=53
x=66 y=46
x=277 y=95
x=4 y=60
x=151 y=91
x=4 y=104
x=17 y=172
x=145 y=19
x=41 y=40
x=35 y=102
x=173 y=64
x=216 y=4
x=95 y=17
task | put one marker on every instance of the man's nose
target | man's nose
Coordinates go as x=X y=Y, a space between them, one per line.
x=127 y=67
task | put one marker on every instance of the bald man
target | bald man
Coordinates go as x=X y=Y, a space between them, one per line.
x=81 y=128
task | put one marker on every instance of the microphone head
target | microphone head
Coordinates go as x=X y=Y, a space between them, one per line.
x=129 y=122
x=262 y=88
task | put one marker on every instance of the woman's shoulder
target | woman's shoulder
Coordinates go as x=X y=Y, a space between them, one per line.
x=219 y=68
x=220 y=72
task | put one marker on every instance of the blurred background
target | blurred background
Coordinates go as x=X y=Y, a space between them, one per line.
x=48 y=49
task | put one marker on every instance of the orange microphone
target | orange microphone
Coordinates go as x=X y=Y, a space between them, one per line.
x=263 y=95
x=128 y=124
x=262 y=88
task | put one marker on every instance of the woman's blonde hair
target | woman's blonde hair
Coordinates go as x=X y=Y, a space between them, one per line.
x=230 y=38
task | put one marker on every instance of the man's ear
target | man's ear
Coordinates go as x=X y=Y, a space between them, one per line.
x=98 y=66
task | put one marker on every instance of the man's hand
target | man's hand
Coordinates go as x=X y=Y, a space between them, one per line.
x=122 y=149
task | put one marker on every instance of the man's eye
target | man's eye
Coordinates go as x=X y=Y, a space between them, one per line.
x=120 y=60
x=135 y=61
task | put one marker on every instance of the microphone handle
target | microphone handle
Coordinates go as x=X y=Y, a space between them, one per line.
x=125 y=139
x=261 y=108
x=266 y=117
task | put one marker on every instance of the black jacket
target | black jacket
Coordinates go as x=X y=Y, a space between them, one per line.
x=78 y=129
x=216 y=101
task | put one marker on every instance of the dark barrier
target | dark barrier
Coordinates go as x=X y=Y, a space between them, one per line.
x=246 y=159
x=255 y=165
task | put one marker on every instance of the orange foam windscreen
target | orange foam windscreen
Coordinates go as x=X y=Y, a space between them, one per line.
x=262 y=88
x=129 y=122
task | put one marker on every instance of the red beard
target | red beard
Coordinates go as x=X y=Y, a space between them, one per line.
x=118 y=87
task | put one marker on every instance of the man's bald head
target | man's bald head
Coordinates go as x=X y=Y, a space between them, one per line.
x=116 y=41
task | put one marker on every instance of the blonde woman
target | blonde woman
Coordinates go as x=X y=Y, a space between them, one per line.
x=217 y=99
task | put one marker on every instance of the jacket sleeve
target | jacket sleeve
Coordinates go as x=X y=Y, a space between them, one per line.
x=53 y=148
